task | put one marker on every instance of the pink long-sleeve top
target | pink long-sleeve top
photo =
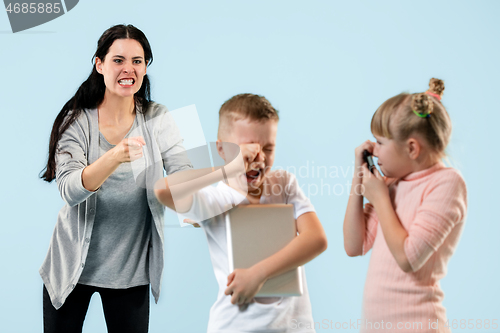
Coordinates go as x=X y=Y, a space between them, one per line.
x=431 y=205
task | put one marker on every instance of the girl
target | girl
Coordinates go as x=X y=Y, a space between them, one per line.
x=109 y=236
x=415 y=216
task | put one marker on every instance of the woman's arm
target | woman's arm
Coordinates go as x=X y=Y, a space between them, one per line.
x=94 y=175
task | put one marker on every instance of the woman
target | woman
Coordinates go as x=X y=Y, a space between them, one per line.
x=108 y=146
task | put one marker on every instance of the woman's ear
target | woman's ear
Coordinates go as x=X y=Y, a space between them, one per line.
x=98 y=65
x=414 y=148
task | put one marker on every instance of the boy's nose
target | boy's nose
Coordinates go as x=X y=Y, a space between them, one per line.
x=260 y=157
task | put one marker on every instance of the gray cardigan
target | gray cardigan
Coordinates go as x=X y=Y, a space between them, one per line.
x=69 y=245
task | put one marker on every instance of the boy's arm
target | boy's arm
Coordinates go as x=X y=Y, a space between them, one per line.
x=184 y=184
x=176 y=190
x=243 y=284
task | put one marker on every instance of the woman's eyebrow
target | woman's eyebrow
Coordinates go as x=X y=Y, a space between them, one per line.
x=122 y=57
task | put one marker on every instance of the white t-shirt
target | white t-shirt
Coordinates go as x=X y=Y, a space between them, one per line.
x=266 y=314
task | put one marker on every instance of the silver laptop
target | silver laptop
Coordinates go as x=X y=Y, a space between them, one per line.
x=255 y=232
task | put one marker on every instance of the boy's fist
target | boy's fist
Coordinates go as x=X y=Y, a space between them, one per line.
x=249 y=151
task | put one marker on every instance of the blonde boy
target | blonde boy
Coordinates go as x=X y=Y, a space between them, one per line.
x=251 y=122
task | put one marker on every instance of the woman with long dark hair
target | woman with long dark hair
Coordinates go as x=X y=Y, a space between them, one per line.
x=108 y=146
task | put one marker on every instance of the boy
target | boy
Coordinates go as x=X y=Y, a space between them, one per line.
x=251 y=122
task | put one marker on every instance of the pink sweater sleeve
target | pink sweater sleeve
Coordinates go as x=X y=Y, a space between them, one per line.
x=444 y=204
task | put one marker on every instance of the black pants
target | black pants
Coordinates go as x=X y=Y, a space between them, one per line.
x=125 y=310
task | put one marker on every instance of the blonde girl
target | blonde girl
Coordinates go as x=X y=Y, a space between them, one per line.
x=414 y=217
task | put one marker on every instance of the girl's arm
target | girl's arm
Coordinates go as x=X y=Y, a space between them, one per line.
x=243 y=284
x=377 y=192
x=354 y=219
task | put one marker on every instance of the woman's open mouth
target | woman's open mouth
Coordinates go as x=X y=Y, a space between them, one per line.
x=126 y=82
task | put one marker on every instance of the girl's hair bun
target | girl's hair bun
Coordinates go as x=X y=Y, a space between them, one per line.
x=422 y=103
x=436 y=86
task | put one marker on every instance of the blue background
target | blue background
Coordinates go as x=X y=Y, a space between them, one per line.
x=326 y=65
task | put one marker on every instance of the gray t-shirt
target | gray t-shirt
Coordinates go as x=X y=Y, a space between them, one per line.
x=118 y=250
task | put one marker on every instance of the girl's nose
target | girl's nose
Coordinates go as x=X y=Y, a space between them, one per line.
x=375 y=150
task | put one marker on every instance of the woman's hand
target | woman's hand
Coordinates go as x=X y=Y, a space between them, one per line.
x=243 y=284
x=374 y=186
x=129 y=149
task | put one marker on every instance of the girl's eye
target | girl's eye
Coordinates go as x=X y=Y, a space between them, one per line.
x=137 y=61
x=118 y=61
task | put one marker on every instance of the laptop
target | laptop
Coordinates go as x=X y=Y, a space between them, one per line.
x=255 y=232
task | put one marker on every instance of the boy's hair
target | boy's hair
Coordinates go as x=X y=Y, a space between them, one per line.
x=405 y=114
x=243 y=106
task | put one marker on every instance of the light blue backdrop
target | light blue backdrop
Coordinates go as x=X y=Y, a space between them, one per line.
x=326 y=65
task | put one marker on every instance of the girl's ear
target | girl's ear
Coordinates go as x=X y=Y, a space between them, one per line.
x=414 y=148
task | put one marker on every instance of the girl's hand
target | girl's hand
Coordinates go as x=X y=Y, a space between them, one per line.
x=243 y=284
x=129 y=149
x=374 y=186
x=358 y=153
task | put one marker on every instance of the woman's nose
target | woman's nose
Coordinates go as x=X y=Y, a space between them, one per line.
x=128 y=69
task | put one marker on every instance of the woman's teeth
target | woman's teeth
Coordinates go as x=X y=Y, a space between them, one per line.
x=126 y=82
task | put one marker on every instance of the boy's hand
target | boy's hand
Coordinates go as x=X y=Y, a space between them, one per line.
x=243 y=284
x=193 y=223
x=249 y=152
x=374 y=186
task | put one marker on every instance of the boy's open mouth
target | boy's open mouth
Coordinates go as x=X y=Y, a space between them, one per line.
x=252 y=175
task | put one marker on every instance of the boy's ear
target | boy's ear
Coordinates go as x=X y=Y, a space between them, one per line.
x=220 y=149
x=414 y=148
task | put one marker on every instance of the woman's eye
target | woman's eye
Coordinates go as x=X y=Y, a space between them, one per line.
x=118 y=61
x=137 y=61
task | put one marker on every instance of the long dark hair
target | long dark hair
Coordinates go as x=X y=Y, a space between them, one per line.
x=91 y=92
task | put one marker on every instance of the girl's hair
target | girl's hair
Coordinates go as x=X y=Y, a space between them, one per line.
x=405 y=114
x=91 y=92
